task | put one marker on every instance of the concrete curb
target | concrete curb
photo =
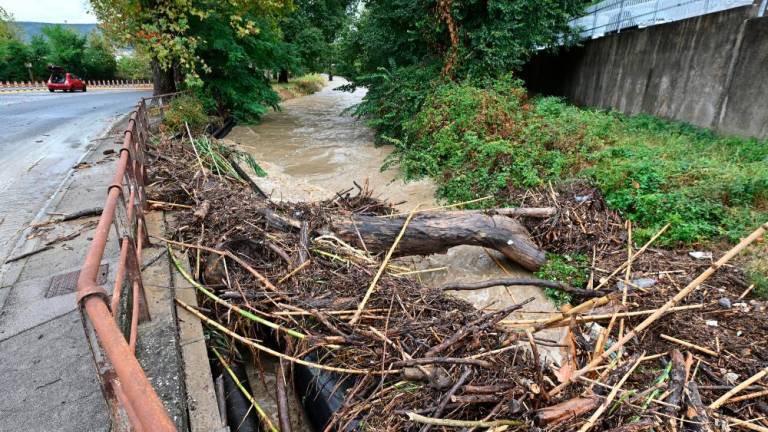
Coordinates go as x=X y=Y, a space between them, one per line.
x=201 y=399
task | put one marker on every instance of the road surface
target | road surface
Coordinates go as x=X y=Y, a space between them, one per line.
x=42 y=136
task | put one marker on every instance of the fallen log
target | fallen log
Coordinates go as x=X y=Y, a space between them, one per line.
x=429 y=233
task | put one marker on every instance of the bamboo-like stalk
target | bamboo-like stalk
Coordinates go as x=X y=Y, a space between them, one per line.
x=267 y=284
x=665 y=308
x=383 y=266
x=418 y=418
x=607 y=402
x=746 y=383
x=416 y=210
x=228 y=305
x=688 y=344
x=258 y=346
x=591 y=318
x=197 y=155
x=266 y=421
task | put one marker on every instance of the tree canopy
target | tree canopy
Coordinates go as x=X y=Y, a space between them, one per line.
x=90 y=56
x=469 y=38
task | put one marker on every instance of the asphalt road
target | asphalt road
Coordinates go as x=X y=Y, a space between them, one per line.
x=42 y=136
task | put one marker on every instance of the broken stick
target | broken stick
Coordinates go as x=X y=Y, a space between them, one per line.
x=662 y=310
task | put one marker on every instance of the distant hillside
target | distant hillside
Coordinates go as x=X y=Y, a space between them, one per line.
x=30 y=29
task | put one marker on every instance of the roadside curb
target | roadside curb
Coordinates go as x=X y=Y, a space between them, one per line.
x=202 y=404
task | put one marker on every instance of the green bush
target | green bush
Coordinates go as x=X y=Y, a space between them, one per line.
x=186 y=109
x=570 y=269
x=489 y=139
x=308 y=84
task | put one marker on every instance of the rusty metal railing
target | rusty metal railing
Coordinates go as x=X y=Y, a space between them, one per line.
x=111 y=325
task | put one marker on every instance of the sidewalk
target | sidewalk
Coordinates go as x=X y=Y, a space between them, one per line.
x=46 y=367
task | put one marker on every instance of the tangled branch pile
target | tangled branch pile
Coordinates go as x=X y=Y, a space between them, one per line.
x=273 y=278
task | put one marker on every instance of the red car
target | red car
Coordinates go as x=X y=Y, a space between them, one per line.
x=64 y=81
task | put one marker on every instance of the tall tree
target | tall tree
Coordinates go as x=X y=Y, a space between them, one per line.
x=469 y=38
x=310 y=30
x=67 y=47
x=8 y=29
x=162 y=28
x=99 y=57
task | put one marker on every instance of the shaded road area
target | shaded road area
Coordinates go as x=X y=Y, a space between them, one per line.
x=41 y=138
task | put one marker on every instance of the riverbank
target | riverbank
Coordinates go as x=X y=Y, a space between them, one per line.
x=300 y=86
x=312 y=149
x=495 y=140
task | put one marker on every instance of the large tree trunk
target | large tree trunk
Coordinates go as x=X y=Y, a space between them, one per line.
x=429 y=233
x=162 y=79
x=283 y=76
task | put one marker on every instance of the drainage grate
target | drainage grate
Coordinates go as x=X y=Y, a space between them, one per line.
x=67 y=283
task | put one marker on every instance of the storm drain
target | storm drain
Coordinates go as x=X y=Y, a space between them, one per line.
x=67 y=283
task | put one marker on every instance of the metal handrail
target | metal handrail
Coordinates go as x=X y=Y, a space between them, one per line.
x=133 y=402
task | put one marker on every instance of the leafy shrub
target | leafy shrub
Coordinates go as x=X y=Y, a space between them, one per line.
x=479 y=140
x=185 y=109
x=308 y=84
x=394 y=96
x=569 y=269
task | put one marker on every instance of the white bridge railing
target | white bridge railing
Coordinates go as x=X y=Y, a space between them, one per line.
x=611 y=16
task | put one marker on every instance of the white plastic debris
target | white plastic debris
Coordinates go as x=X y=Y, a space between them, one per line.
x=700 y=255
x=711 y=323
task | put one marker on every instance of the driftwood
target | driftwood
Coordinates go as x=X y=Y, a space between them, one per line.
x=676 y=381
x=429 y=233
x=696 y=411
x=567 y=410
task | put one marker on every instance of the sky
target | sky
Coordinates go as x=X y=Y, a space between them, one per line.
x=50 y=11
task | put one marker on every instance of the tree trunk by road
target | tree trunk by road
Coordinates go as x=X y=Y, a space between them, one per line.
x=162 y=79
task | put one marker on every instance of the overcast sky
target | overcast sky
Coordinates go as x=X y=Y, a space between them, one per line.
x=50 y=11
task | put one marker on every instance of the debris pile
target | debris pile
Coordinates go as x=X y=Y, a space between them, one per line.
x=663 y=341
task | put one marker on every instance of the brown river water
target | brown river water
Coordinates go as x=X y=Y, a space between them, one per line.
x=311 y=149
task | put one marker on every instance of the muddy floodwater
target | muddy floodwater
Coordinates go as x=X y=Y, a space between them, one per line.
x=312 y=149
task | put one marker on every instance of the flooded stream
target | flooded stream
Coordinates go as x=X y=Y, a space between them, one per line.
x=311 y=149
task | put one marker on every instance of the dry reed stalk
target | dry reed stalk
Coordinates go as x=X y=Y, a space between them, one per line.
x=383 y=266
x=270 y=351
x=607 y=402
x=665 y=308
x=744 y=384
x=634 y=257
x=688 y=345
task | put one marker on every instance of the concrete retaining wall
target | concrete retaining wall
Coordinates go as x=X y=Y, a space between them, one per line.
x=709 y=71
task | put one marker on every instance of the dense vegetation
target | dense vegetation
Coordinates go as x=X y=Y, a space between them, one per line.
x=441 y=90
x=91 y=56
x=226 y=52
x=484 y=141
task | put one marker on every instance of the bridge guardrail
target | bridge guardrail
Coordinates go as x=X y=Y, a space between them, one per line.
x=111 y=325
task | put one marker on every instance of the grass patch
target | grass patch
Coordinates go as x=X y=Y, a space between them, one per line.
x=186 y=109
x=491 y=139
x=300 y=86
x=571 y=269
